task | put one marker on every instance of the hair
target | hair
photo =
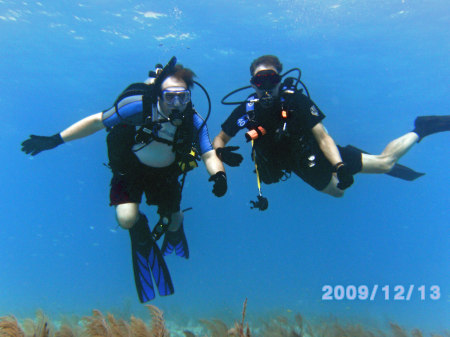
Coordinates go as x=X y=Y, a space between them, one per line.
x=268 y=60
x=182 y=73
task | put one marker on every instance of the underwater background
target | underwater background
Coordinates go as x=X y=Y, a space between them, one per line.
x=371 y=67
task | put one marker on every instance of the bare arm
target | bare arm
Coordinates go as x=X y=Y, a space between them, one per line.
x=87 y=126
x=221 y=140
x=83 y=128
x=212 y=162
x=326 y=144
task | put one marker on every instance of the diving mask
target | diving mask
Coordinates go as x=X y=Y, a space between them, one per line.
x=180 y=95
x=266 y=79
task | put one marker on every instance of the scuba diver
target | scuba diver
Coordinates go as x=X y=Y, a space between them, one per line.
x=287 y=135
x=154 y=133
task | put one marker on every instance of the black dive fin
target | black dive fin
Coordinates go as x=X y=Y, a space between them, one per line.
x=428 y=125
x=405 y=173
x=398 y=171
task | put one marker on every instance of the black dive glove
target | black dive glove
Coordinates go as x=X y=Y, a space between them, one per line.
x=344 y=176
x=262 y=204
x=220 y=183
x=226 y=155
x=36 y=144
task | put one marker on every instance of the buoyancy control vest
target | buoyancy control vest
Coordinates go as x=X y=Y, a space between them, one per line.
x=142 y=130
x=282 y=143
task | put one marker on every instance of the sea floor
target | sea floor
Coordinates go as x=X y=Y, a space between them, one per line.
x=107 y=325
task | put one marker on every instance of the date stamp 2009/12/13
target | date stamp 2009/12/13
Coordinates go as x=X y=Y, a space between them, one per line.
x=384 y=292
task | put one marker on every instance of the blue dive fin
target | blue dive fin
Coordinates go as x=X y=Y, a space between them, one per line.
x=160 y=271
x=175 y=241
x=142 y=277
x=147 y=259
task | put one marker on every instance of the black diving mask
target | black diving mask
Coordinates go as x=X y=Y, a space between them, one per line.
x=266 y=80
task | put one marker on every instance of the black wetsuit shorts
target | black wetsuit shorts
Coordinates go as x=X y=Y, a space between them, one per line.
x=319 y=175
x=160 y=185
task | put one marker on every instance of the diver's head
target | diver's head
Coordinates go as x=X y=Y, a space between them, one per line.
x=175 y=93
x=268 y=60
x=266 y=79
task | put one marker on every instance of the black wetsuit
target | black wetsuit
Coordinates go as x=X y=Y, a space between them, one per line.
x=293 y=150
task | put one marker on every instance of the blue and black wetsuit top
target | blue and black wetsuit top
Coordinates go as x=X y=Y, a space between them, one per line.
x=160 y=151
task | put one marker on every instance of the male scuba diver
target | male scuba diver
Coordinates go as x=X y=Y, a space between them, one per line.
x=287 y=135
x=152 y=131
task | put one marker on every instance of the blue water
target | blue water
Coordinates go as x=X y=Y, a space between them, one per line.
x=371 y=66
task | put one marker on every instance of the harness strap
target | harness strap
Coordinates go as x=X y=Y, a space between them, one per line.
x=250 y=107
x=152 y=136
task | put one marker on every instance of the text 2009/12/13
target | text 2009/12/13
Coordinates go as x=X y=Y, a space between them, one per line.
x=385 y=292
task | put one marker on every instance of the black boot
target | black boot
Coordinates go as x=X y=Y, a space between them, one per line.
x=140 y=232
x=427 y=125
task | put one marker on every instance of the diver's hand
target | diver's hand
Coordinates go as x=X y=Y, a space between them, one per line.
x=36 y=144
x=344 y=176
x=227 y=156
x=262 y=204
x=220 y=183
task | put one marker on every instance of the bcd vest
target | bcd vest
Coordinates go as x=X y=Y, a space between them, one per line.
x=122 y=137
x=286 y=145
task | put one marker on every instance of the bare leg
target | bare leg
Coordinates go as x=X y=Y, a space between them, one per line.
x=127 y=214
x=176 y=221
x=381 y=163
x=332 y=188
x=385 y=161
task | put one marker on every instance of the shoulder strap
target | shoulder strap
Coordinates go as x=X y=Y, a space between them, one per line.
x=133 y=89
x=250 y=106
x=138 y=89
